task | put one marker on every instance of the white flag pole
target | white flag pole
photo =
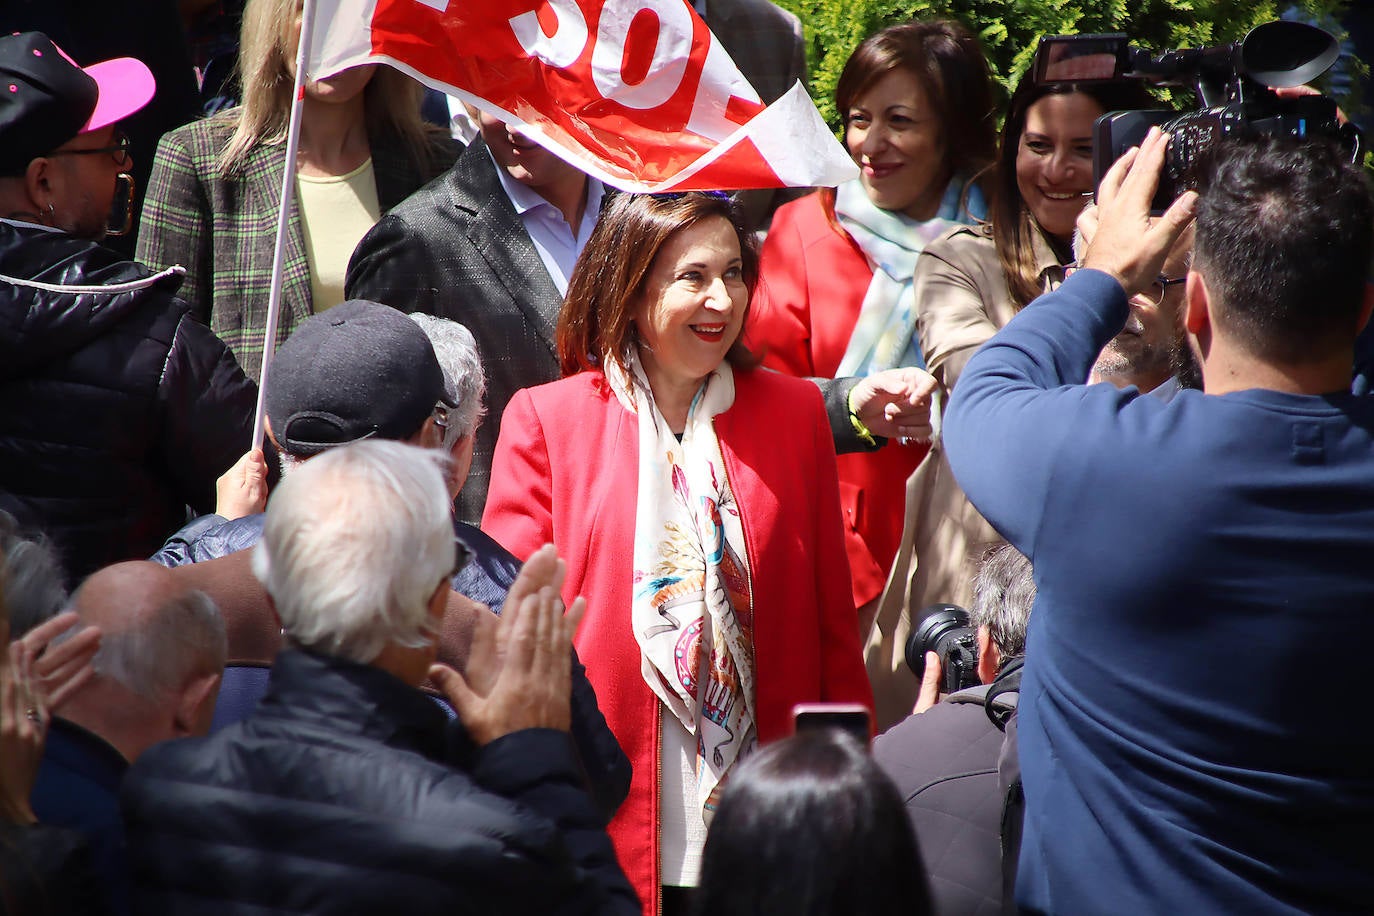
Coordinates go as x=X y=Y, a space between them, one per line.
x=288 y=188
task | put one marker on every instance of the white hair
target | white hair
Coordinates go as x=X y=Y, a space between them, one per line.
x=30 y=578
x=355 y=543
x=456 y=350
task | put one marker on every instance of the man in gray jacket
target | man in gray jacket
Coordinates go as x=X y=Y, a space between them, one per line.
x=945 y=760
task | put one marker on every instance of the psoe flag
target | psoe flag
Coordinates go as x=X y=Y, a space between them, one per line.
x=638 y=93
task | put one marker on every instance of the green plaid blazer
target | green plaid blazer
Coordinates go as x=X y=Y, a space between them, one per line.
x=222 y=230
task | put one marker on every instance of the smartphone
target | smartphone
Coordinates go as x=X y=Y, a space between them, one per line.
x=850 y=717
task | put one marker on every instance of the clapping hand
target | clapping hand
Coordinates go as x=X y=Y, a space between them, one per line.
x=523 y=677
x=34 y=680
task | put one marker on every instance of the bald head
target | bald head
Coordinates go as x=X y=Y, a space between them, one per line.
x=120 y=596
x=158 y=633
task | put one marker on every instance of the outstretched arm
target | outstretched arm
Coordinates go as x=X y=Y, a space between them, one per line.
x=1021 y=394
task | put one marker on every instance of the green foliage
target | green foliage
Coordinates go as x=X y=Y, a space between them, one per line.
x=1009 y=29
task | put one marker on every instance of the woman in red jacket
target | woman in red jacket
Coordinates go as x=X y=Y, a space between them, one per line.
x=836 y=296
x=695 y=500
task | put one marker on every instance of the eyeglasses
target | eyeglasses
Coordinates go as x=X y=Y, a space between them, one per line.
x=1157 y=290
x=119 y=151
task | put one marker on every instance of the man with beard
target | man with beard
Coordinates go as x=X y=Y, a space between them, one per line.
x=119 y=410
x=1152 y=351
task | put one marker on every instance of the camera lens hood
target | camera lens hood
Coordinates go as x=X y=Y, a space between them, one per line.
x=1281 y=54
x=935 y=621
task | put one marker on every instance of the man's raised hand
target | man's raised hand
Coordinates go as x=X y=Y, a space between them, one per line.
x=1128 y=243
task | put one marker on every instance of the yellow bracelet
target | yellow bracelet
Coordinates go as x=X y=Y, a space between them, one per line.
x=863 y=432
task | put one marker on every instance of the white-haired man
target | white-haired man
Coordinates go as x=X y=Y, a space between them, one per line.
x=343 y=792
x=945 y=758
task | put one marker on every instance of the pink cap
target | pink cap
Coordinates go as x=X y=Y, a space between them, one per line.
x=126 y=85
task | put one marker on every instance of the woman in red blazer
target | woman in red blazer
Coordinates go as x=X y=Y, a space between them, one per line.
x=695 y=500
x=836 y=295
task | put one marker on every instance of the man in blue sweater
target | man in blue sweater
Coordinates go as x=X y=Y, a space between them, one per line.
x=1198 y=562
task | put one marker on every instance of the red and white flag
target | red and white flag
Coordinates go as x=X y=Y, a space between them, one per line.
x=638 y=93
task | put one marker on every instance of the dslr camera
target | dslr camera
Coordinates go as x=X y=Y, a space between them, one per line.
x=945 y=630
x=1234 y=83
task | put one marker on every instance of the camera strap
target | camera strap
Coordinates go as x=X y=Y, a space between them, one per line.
x=1008 y=681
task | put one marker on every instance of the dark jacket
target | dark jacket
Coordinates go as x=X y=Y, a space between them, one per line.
x=456 y=248
x=78 y=787
x=116 y=409
x=944 y=763
x=346 y=793
x=46 y=871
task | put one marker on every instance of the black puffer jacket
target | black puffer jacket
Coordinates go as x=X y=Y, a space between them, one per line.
x=345 y=792
x=116 y=409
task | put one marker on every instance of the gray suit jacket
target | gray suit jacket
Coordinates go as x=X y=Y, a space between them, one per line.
x=765 y=42
x=457 y=249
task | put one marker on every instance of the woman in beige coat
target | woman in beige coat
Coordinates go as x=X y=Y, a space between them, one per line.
x=968 y=284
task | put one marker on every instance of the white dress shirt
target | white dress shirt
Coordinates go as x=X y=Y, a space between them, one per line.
x=553 y=238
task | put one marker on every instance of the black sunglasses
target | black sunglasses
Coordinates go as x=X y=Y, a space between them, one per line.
x=119 y=151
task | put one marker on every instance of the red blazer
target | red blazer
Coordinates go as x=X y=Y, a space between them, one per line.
x=806 y=260
x=566 y=472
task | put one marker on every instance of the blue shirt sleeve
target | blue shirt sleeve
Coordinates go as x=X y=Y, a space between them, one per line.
x=1016 y=402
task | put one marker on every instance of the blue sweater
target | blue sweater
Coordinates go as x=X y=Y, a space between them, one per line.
x=1192 y=731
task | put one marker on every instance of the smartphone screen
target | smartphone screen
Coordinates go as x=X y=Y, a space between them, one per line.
x=850 y=717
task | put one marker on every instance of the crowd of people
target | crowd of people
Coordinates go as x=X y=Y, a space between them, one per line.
x=570 y=497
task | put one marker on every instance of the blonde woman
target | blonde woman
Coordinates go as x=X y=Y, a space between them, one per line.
x=212 y=200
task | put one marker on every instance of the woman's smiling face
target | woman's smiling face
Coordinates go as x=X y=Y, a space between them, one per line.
x=894 y=137
x=693 y=304
x=1054 y=160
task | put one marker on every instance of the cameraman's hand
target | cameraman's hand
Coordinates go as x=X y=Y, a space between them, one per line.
x=1294 y=92
x=1085 y=231
x=930 y=685
x=1128 y=243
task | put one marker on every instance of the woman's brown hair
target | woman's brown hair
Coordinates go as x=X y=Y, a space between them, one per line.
x=949 y=64
x=597 y=319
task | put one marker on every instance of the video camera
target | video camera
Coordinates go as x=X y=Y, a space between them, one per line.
x=945 y=630
x=1235 y=84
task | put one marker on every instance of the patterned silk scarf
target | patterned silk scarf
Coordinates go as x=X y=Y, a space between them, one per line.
x=691 y=604
x=885 y=334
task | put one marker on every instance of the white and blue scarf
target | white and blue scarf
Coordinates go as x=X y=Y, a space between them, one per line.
x=884 y=336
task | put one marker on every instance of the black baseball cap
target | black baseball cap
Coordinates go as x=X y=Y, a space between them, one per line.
x=46 y=99
x=357 y=371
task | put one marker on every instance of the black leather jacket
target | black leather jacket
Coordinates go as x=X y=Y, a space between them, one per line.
x=116 y=409
x=346 y=793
